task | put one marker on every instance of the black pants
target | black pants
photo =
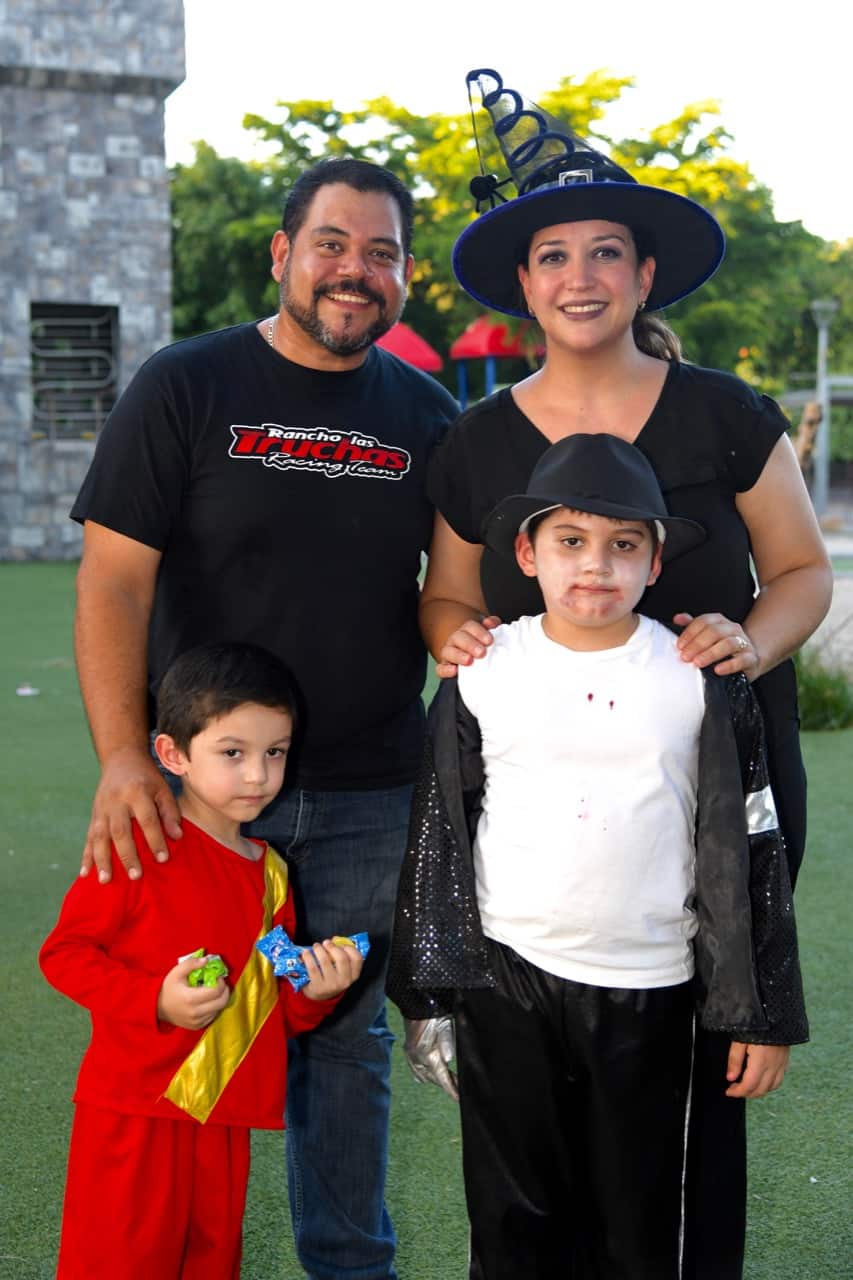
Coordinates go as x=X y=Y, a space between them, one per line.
x=715 y=1188
x=573 y=1103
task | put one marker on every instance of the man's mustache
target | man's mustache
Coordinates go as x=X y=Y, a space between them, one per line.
x=349 y=286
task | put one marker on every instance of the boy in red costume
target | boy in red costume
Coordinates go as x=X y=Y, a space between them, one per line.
x=176 y=1074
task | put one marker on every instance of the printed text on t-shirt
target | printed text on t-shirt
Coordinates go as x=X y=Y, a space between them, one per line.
x=334 y=453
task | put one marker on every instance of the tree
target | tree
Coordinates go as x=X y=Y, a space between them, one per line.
x=224 y=213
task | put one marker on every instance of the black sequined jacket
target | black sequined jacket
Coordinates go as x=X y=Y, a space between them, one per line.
x=747 y=979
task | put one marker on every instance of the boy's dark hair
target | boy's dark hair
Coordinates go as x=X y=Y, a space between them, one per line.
x=358 y=174
x=536 y=521
x=210 y=680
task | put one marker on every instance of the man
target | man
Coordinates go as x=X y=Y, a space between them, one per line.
x=266 y=483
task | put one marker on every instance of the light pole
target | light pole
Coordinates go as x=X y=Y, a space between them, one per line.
x=823 y=311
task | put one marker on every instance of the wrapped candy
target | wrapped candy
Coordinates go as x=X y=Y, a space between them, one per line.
x=285 y=956
x=213 y=969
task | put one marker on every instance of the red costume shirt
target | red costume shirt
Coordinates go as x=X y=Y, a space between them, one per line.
x=114 y=943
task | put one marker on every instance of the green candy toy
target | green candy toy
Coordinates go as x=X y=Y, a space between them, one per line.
x=213 y=969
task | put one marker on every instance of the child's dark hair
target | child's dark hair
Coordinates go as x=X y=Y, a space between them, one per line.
x=210 y=680
x=536 y=521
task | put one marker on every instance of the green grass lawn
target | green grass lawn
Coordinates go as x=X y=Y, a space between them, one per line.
x=800 y=1149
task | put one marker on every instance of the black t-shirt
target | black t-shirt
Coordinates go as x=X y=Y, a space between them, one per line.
x=708 y=438
x=289 y=506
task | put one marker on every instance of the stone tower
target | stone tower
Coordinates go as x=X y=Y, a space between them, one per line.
x=85 y=269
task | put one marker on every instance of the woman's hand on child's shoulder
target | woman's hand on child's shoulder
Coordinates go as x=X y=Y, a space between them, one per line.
x=331 y=969
x=756 y=1069
x=190 y=1007
x=714 y=639
x=465 y=645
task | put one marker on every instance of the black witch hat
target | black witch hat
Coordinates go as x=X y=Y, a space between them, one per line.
x=561 y=178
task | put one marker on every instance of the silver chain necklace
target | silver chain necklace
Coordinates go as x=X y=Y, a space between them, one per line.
x=271 y=332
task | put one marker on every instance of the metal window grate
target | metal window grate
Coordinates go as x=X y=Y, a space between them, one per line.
x=73 y=354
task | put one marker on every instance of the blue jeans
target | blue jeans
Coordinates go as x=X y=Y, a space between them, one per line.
x=343 y=851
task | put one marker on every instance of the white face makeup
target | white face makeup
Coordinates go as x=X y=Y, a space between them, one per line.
x=592 y=571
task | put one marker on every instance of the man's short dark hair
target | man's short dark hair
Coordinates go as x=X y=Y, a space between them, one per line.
x=210 y=680
x=358 y=174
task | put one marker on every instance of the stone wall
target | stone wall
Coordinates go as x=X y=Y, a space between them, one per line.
x=84 y=218
x=95 y=37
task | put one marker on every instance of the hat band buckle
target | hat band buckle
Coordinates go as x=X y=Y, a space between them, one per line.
x=569 y=177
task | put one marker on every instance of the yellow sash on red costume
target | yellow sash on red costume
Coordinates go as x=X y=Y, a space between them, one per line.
x=197 y=1085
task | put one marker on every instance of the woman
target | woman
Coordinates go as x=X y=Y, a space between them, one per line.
x=587 y=252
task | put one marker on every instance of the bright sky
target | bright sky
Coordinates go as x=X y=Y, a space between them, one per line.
x=782 y=72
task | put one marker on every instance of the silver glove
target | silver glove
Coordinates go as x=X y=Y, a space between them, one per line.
x=430 y=1047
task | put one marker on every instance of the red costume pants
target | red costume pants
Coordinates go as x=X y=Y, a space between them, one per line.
x=151 y=1199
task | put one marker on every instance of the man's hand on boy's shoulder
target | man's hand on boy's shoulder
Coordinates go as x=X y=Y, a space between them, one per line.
x=755 y=1070
x=131 y=786
x=192 y=1008
x=331 y=969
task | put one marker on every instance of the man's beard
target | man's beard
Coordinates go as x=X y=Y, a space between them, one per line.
x=339 y=344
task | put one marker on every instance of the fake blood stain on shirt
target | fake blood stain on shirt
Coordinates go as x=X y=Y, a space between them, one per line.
x=590 y=696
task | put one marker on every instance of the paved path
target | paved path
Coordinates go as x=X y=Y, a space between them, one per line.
x=833 y=639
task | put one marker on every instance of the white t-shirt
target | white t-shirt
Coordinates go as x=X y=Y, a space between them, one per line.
x=584 y=854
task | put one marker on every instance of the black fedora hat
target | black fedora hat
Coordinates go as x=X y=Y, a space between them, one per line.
x=560 y=178
x=599 y=474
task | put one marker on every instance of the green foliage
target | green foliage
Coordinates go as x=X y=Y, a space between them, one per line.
x=842 y=431
x=753 y=317
x=825 y=694
x=224 y=214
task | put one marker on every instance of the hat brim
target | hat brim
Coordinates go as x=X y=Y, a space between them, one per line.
x=500 y=527
x=689 y=242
